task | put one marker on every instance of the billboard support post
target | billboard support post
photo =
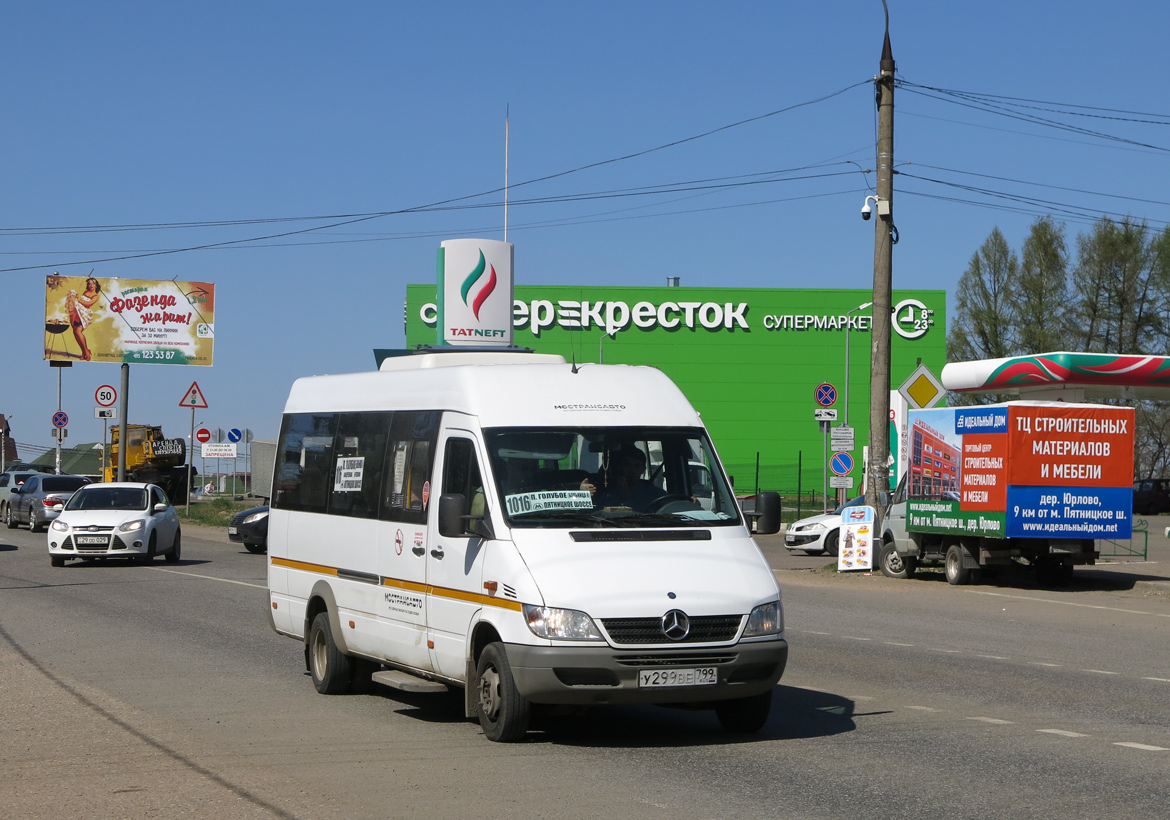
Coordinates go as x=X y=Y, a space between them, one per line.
x=122 y=421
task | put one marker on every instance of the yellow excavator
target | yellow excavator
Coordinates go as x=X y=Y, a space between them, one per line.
x=151 y=457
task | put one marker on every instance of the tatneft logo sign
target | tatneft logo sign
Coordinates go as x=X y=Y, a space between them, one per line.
x=475 y=279
x=911 y=318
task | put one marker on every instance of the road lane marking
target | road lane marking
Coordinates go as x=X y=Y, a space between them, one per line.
x=1142 y=746
x=894 y=643
x=1159 y=680
x=948 y=651
x=1071 y=603
x=996 y=721
x=993 y=657
x=210 y=578
x=924 y=708
x=1062 y=732
x=1100 y=672
x=856 y=638
x=1042 y=663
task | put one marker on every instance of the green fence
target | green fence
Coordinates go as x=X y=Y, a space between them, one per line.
x=1130 y=549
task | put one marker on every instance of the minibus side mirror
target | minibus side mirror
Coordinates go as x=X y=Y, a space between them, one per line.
x=767 y=513
x=454 y=522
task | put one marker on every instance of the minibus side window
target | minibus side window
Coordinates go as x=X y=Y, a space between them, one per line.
x=359 y=450
x=461 y=474
x=304 y=462
x=407 y=467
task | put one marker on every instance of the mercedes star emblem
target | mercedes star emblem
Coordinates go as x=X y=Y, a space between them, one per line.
x=676 y=625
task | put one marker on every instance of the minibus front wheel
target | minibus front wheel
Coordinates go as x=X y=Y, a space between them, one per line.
x=332 y=671
x=503 y=713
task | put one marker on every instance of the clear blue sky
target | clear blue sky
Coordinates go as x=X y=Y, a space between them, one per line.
x=131 y=113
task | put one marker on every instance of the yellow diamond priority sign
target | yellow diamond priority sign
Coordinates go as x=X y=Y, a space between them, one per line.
x=922 y=390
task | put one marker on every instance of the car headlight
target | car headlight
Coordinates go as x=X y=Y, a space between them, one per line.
x=59 y=525
x=813 y=527
x=766 y=619
x=130 y=526
x=254 y=517
x=560 y=624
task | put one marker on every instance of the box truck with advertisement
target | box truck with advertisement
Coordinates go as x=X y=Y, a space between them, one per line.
x=1024 y=482
x=532 y=532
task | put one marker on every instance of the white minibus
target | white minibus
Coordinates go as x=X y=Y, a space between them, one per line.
x=531 y=531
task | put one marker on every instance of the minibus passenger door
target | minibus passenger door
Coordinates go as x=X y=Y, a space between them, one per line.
x=454 y=562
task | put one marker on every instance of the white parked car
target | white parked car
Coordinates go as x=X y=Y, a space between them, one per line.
x=818 y=534
x=116 y=520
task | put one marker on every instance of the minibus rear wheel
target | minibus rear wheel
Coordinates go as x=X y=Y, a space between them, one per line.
x=332 y=671
x=503 y=713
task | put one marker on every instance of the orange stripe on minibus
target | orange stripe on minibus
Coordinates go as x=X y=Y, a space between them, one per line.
x=413 y=586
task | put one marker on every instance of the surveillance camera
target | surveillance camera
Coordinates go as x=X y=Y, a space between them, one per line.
x=866 y=210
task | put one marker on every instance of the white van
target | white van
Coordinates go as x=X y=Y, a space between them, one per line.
x=532 y=531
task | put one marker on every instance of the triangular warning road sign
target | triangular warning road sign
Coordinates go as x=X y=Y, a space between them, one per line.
x=194 y=397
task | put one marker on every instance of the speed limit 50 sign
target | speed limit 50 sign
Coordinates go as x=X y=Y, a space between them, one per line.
x=105 y=395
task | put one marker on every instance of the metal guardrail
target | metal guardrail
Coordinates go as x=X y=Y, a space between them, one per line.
x=1129 y=549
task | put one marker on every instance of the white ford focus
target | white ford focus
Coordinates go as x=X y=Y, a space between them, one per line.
x=117 y=520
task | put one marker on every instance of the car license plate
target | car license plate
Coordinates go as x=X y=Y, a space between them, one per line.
x=231 y=530
x=103 y=540
x=699 y=676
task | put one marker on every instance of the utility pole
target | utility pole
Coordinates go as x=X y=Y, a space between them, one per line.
x=877 y=470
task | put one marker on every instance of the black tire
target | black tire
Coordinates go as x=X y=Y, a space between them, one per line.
x=9 y=521
x=332 y=670
x=33 y=524
x=503 y=713
x=832 y=543
x=256 y=549
x=176 y=550
x=894 y=565
x=744 y=715
x=151 y=548
x=957 y=574
x=57 y=560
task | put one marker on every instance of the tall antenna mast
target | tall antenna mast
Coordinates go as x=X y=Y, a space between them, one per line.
x=507 y=111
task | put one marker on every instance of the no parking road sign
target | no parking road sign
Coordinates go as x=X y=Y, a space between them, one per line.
x=826 y=394
x=60 y=419
x=841 y=463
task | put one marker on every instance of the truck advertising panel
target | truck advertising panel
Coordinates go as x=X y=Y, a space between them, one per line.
x=1022 y=470
x=100 y=319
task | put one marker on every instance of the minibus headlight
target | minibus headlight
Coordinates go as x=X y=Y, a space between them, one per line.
x=766 y=619
x=130 y=526
x=560 y=624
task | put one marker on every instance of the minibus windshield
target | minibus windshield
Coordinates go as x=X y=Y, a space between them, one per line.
x=609 y=477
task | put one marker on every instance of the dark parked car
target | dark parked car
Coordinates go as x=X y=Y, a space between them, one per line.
x=35 y=502
x=250 y=528
x=1151 y=496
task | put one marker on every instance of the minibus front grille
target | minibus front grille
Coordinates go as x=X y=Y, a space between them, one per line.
x=677 y=659
x=704 y=629
x=640 y=535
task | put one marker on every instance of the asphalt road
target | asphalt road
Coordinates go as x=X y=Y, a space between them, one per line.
x=133 y=692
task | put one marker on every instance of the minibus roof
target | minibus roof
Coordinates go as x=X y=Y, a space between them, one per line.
x=504 y=390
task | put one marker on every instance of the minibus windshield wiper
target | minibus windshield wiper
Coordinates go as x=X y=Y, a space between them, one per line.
x=573 y=516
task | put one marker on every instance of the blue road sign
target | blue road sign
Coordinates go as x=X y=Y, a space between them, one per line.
x=841 y=463
x=826 y=394
x=234 y=434
x=60 y=419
